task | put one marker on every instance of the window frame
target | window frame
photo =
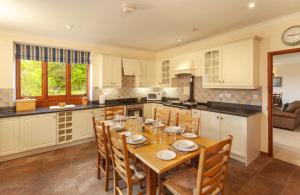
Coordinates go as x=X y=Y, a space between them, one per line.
x=48 y=100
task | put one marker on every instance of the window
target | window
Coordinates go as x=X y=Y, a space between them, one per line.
x=57 y=78
x=78 y=79
x=31 y=78
x=51 y=75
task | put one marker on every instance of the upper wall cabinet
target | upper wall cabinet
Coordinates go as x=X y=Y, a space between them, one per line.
x=112 y=71
x=131 y=66
x=164 y=73
x=147 y=78
x=233 y=65
x=212 y=67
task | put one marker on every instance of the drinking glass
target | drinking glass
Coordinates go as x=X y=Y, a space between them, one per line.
x=182 y=128
x=154 y=131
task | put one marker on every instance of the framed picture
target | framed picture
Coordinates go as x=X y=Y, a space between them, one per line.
x=277 y=81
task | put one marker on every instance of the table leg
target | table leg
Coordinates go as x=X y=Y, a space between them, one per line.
x=151 y=181
x=195 y=162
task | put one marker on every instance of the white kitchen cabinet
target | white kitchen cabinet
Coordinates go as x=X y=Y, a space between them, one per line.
x=245 y=132
x=37 y=131
x=233 y=65
x=164 y=73
x=210 y=125
x=112 y=71
x=239 y=64
x=131 y=66
x=83 y=124
x=148 y=74
x=237 y=127
x=212 y=67
x=9 y=136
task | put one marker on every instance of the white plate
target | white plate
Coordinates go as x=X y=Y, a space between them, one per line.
x=136 y=142
x=190 y=135
x=171 y=129
x=166 y=155
x=108 y=123
x=135 y=139
x=176 y=146
x=185 y=143
x=149 y=121
x=126 y=133
x=117 y=127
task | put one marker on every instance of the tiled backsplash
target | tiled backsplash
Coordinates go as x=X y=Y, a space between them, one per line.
x=128 y=90
x=180 y=87
x=179 y=90
x=7 y=97
x=239 y=96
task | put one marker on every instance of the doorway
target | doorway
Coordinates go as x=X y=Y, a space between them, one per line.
x=283 y=122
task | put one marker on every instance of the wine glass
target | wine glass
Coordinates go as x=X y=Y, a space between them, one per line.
x=182 y=128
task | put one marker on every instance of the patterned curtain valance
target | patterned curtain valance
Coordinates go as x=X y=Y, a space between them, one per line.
x=41 y=53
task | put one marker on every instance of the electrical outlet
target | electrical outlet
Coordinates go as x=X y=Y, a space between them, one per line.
x=228 y=95
x=255 y=97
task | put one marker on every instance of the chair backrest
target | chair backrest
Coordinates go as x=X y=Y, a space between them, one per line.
x=163 y=115
x=110 y=112
x=190 y=123
x=119 y=152
x=101 y=138
x=212 y=168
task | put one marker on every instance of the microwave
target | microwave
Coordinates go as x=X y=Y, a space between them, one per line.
x=154 y=96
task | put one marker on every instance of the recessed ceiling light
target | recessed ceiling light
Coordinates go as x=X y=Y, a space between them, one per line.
x=251 y=5
x=69 y=26
x=128 y=8
x=179 y=40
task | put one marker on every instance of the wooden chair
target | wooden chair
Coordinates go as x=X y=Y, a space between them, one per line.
x=110 y=112
x=210 y=176
x=121 y=166
x=190 y=123
x=103 y=154
x=163 y=115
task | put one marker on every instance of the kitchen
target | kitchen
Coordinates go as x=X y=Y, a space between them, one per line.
x=54 y=89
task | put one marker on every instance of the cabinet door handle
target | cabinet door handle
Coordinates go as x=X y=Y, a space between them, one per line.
x=218 y=117
x=223 y=82
x=219 y=81
x=221 y=118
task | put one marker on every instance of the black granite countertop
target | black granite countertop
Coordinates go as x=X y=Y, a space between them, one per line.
x=225 y=108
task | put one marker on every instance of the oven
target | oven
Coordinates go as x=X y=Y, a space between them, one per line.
x=134 y=110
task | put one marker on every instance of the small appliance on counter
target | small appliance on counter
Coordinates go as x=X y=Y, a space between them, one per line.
x=154 y=96
x=101 y=97
x=25 y=104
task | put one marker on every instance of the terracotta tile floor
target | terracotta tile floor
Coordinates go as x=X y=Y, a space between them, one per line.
x=72 y=171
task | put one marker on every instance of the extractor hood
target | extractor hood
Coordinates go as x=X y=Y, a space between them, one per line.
x=184 y=67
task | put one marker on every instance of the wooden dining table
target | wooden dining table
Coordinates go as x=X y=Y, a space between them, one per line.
x=155 y=167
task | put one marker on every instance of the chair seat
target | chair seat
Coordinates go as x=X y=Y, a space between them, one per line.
x=183 y=182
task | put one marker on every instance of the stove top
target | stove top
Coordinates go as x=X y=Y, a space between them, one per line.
x=185 y=104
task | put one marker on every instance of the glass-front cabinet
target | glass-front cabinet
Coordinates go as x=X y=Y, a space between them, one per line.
x=164 y=73
x=212 y=67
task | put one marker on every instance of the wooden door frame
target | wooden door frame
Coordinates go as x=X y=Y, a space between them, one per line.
x=270 y=94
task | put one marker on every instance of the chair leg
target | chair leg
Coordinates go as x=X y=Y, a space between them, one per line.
x=107 y=164
x=115 y=183
x=98 y=166
x=129 y=190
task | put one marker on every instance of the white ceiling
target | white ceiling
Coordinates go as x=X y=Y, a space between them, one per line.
x=286 y=59
x=154 y=25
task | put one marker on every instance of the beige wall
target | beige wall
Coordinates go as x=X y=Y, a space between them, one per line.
x=7 y=40
x=290 y=74
x=270 y=32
